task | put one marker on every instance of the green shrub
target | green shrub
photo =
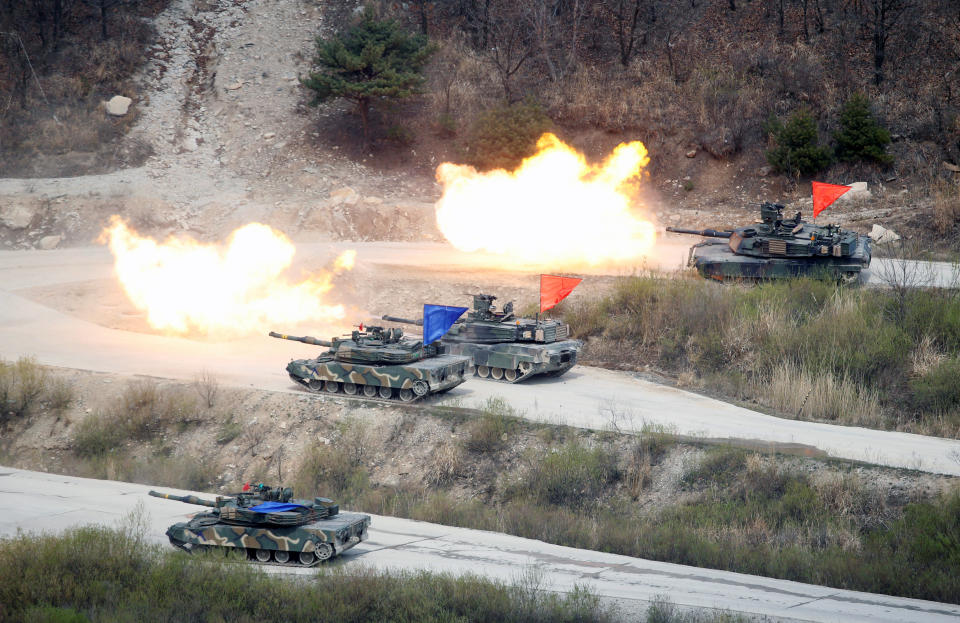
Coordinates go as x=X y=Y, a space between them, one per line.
x=97 y=435
x=939 y=389
x=502 y=137
x=572 y=476
x=797 y=149
x=861 y=137
x=489 y=431
x=719 y=467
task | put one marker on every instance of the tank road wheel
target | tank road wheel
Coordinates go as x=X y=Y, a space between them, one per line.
x=385 y=392
x=281 y=556
x=324 y=551
x=331 y=386
x=406 y=395
x=510 y=375
x=350 y=388
x=369 y=391
x=483 y=372
x=315 y=385
x=497 y=373
x=263 y=555
x=306 y=558
x=525 y=366
x=420 y=388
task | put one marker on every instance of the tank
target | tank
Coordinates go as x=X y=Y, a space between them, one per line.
x=269 y=526
x=379 y=364
x=776 y=248
x=506 y=348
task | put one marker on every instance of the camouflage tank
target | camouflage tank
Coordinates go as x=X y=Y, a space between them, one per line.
x=269 y=526
x=776 y=248
x=506 y=348
x=377 y=364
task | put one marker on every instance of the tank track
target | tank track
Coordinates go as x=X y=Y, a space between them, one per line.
x=293 y=562
x=521 y=375
x=395 y=397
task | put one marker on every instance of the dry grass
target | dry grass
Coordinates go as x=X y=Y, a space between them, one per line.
x=797 y=391
x=946 y=206
x=448 y=463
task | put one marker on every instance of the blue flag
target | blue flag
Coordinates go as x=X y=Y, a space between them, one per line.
x=437 y=320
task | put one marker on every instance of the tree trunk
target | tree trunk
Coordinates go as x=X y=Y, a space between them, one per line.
x=363 y=107
x=806 y=31
x=879 y=41
x=103 y=20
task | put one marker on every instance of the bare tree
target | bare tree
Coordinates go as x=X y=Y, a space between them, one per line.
x=555 y=27
x=104 y=7
x=509 y=43
x=886 y=16
x=626 y=18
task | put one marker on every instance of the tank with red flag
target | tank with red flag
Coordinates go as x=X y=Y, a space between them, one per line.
x=511 y=349
x=778 y=247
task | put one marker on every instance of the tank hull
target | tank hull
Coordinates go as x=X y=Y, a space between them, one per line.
x=318 y=541
x=513 y=362
x=715 y=260
x=407 y=382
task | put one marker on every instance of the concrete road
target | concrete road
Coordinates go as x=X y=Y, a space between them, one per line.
x=585 y=397
x=34 y=501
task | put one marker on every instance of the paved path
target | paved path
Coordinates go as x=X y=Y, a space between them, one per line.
x=585 y=397
x=35 y=501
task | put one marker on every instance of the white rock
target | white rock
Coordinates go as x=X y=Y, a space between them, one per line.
x=858 y=190
x=16 y=216
x=118 y=105
x=344 y=196
x=372 y=200
x=269 y=135
x=48 y=243
x=882 y=235
x=234 y=86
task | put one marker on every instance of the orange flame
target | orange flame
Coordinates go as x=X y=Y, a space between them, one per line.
x=555 y=210
x=226 y=289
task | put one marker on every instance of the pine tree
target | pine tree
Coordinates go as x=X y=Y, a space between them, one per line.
x=374 y=59
x=797 y=149
x=861 y=137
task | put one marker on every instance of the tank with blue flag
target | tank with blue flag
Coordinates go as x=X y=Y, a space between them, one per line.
x=269 y=526
x=507 y=348
x=377 y=364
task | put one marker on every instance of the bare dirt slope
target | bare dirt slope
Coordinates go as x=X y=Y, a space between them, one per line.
x=221 y=108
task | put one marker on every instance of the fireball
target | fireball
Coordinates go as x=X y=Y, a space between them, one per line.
x=234 y=288
x=554 y=210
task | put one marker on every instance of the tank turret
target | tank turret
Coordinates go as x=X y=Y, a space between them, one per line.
x=502 y=346
x=269 y=525
x=778 y=247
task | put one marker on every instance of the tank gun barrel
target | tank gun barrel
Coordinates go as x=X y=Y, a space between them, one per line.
x=189 y=499
x=306 y=339
x=419 y=323
x=709 y=233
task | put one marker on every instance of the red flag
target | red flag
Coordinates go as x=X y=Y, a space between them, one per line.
x=361 y=326
x=246 y=486
x=554 y=289
x=824 y=195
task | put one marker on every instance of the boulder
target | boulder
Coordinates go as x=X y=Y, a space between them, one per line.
x=882 y=235
x=344 y=196
x=858 y=190
x=764 y=171
x=16 y=215
x=48 y=243
x=692 y=153
x=719 y=142
x=118 y=105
